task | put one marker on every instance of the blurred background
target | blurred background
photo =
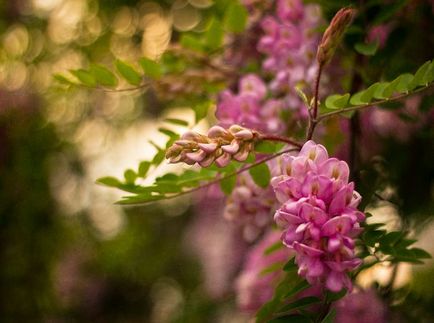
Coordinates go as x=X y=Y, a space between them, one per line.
x=69 y=254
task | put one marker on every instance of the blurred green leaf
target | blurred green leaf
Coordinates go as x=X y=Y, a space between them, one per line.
x=298 y=304
x=130 y=176
x=330 y=317
x=367 y=49
x=191 y=42
x=151 y=68
x=227 y=185
x=103 y=76
x=214 y=34
x=84 y=77
x=109 y=181
x=337 y=101
x=143 y=168
x=128 y=73
x=261 y=175
x=178 y=122
x=201 y=110
x=235 y=19
x=268 y=147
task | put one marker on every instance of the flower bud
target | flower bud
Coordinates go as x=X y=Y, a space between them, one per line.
x=333 y=34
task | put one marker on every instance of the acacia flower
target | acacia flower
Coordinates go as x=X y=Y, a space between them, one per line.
x=319 y=215
x=219 y=145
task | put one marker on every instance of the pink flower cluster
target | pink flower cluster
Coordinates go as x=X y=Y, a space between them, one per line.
x=250 y=206
x=290 y=43
x=319 y=215
x=249 y=107
x=360 y=307
x=253 y=287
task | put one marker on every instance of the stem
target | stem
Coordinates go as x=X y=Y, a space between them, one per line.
x=281 y=139
x=313 y=115
x=239 y=171
x=359 y=107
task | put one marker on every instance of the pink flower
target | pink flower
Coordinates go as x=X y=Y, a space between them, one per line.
x=361 y=307
x=249 y=107
x=319 y=215
x=253 y=287
x=290 y=10
x=250 y=207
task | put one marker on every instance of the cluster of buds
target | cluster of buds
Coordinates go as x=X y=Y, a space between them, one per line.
x=220 y=145
x=319 y=215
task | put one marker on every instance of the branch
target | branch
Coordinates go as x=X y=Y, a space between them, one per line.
x=363 y=106
x=239 y=171
x=281 y=139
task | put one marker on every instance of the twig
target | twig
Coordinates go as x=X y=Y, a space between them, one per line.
x=363 y=106
x=281 y=139
x=239 y=171
x=314 y=113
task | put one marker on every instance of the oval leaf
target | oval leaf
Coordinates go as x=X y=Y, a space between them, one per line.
x=261 y=175
x=128 y=73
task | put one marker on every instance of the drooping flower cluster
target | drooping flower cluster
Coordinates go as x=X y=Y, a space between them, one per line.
x=360 y=307
x=290 y=44
x=219 y=145
x=249 y=107
x=253 y=288
x=251 y=206
x=319 y=215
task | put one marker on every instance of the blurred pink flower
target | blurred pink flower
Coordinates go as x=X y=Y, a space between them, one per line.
x=253 y=287
x=361 y=307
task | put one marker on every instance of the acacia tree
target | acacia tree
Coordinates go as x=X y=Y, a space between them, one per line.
x=271 y=76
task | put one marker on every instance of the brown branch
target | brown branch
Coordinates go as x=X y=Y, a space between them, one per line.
x=239 y=171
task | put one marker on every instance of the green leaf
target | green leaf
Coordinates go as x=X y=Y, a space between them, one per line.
x=274 y=247
x=151 y=68
x=214 y=34
x=294 y=318
x=290 y=265
x=109 y=181
x=168 y=133
x=235 y=19
x=201 y=110
x=268 y=147
x=299 y=303
x=330 y=317
x=84 y=77
x=380 y=93
x=227 y=185
x=368 y=94
x=191 y=42
x=367 y=49
x=298 y=288
x=271 y=269
x=143 y=168
x=333 y=297
x=103 y=76
x=130 y=176
x=337 y=101
x=261 y=175
x=420 y=77
x=62 y=79
x=128 y=73
x=356 y=99
x=178 y=122
x=403 y=85
x=420 y=253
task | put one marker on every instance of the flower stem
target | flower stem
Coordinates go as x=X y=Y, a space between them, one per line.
x=281 y=139
x=314 y=113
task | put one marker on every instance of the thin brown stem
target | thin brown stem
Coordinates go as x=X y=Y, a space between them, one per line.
x=280 y=139
x=217 y=180
x=314 y=113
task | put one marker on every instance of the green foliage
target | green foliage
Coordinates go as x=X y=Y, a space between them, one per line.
x=367 y=49
x=235 y=19
x=392 y=246
x=129 y=73
x=151 y=68
x=261 y=175
x=103 y=76
x=383 y=92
